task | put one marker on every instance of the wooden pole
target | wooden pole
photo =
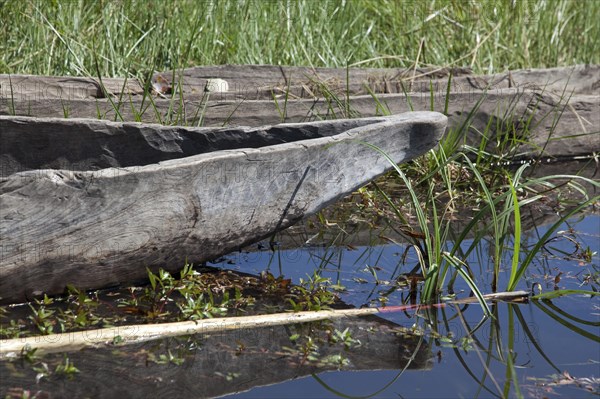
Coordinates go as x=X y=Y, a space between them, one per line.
x=104 y=337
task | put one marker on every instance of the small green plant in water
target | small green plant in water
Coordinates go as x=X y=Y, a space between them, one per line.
x=166 y=358
x=203 y=306
x=82 y=309
x=312 y=294
x=43 y=318
x=344 y=337
x=29 y=354
x=337 y=360
x=192 y=296
x=11 y=330
x=65 y=369
x=230 y=376
x=306 y=347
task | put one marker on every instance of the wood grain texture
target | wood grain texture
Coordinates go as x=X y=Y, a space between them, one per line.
x=261 y=82
x=103 y=227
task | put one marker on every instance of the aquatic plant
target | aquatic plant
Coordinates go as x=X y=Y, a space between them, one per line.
x=312 y=294
x=192 y=296
x=43 y=317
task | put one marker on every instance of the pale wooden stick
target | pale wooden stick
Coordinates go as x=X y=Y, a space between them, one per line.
x=73 y=341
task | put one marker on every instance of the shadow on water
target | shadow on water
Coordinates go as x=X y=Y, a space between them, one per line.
x=542 y=348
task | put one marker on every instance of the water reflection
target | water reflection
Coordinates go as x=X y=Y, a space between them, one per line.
x=545 y=348
x=216 y=364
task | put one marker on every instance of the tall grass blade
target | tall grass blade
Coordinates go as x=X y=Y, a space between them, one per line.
x=531 y=338
x=431 y=96
x=407 y=96
x=592 y=336
x=458 y=265
x=426 y=264
x=105 y=92
x=511 y=372
x=448 y=89
x=558 y=293
x=517 y=232
x=11 y=109
x=542 y=241
x=380 y=108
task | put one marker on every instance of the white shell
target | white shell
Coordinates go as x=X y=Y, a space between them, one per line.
x=216 y=85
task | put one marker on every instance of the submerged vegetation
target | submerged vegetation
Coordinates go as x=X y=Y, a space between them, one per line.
x=195 y=295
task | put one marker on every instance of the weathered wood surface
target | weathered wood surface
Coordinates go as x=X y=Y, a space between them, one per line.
x=250 y=82
x=254 y=357
x=262 y=81
x=158 y=205
x=562 y=105
x=256 y=82
x=80 y=145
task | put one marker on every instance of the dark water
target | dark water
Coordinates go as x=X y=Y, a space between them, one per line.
x=554 y=345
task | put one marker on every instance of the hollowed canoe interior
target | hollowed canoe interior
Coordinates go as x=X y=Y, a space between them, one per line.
x=80 y=145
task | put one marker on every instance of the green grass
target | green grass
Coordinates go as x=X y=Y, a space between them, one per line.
x=136 y=36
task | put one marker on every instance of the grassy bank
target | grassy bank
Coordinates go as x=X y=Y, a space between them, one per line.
x=129 y=36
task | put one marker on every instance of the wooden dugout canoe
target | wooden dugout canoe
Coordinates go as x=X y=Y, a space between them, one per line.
x=93 y=203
